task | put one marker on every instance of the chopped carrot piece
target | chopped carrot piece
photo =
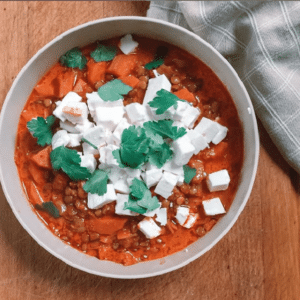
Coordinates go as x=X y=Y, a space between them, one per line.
x=106 y=225
x=124 y=234
x=42 y=158
x=34 y=194
x=185 y=94
x=130 y=80
x=37 y=174
x=96 y=71
x=64 y=83
x=122 y=65
x=81 y=87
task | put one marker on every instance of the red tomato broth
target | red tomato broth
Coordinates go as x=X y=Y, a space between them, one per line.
x=125 y=244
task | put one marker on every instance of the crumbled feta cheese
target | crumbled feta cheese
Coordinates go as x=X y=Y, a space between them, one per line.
x=106 y=155
x=166 y=184
x=220 y=136
x=75 y=112
x=197 y=140
x=179 y=113
x=207 y=128
x=155 y=85
x=161 y=216
x=119 y=208
x=70 y=97
x=190 y=116
x=133 y=172
x=95 y=201
x=182 y=214
x=122 y=186
x=152 y=177
x=213 y=207
x=85 y=126
x=171 y=167
x=109 y=117
x=96 y=135
x=114 y=172
x=88 y=149
x=88 y=161
x=183 y=150
x=60 y=138
x=149 y=228
x=75 y=139
x=218 y=181
x=117 y=134
x=191 y=219
x=127 y=44
x=68 y=126
x=137 y=113
x=152 y=213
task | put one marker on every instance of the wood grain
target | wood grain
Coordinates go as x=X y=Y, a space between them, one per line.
x=258 y=259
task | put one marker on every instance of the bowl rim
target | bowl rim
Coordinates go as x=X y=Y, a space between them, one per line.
x=255 y=161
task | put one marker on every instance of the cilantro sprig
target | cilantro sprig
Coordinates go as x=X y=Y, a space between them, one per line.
x=189 y=173
x=97 y=183
x=113 y=90
x=163 y=101
x=73 y=59
x=140 y=198
x=68 y=161
x=50 y=208
x=41 y=129
x=104 y=53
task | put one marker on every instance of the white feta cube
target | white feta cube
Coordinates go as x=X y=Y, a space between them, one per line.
x=119 y=208
x=75 y=139
x=207 y=128
x=127 y=44
x=88 y=149
x=122 y=186
x=95 y=201
x=152 y=177
x=96 y=135
x=106 y=155
x=152 y=213
x=220 y=136
x=114 y=172
x=183 y=150
x=170 y=166
x=109 y=117
x=190 y=116
x=155 y=85
x=60 y=138
x=81 y=128
x=218 y=181
x=88 y=161
x=149 y=228
x=198 y=140
x=75 y=112
x=137 y=113
x=213 y=207
x=182 y=214
x=191 y=219
x=161 y=216
x=70 y=97
x=117 y=134
x=166 y=184
x=133 y=172
x=179 y=113
x=68 y=126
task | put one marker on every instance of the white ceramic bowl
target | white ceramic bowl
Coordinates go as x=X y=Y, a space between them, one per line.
x=36 y=68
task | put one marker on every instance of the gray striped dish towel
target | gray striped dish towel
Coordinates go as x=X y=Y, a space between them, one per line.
x=261 y=40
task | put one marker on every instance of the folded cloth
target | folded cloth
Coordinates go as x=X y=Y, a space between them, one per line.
x=261 y=40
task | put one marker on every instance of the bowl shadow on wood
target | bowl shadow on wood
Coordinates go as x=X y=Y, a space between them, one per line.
x=277 y=158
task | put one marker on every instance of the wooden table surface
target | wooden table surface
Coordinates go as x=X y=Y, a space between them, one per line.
x=258 y=259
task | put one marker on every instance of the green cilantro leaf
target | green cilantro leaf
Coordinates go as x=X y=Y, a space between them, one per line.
x=73 y=59
x=159 y=154
x=113 y=90
x=50 y=208
x=104 y=53
x=97 y=183
x=149 y=202
x=133 y=206
x=161 y=53
x=189 y=173
x=69 y=161
x=154 y=64
x=88 y=142
x=138 y=188
x=163 y=101
x=165 y=129
x=41 y=129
